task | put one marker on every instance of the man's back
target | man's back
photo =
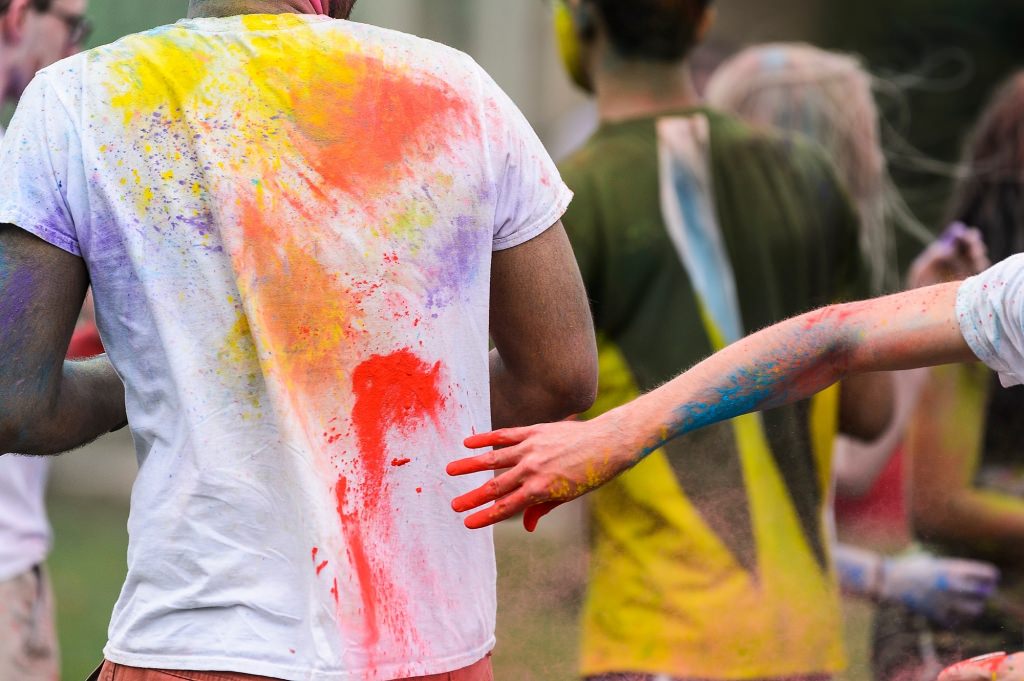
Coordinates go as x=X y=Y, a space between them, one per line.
x=709 y=558
x=288 y=223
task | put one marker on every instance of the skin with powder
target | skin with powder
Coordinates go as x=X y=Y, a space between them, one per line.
x=547 y=465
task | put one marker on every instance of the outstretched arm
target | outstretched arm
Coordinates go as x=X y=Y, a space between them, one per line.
x=554 y=463
x=48 y=405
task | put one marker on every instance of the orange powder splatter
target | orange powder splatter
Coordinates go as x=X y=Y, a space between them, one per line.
x=393 y=392
x=358 y=120
x=301 y=312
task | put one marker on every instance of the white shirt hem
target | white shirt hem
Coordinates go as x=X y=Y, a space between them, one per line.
x=201 y=663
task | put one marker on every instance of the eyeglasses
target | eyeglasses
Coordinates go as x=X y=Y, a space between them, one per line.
x=79 y=26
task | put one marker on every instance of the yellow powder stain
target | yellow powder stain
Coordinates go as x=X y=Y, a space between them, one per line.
x=272 y=22
x=239 y=352
x=238 y=347
x=167 y=175
x=409 y=223
x=160 y=70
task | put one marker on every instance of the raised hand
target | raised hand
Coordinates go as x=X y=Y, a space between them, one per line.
x=544 y=466
x=959 y=253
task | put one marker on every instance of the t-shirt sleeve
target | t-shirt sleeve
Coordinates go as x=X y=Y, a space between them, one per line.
x=35 y=158
x=990 y=308
x=530 y=195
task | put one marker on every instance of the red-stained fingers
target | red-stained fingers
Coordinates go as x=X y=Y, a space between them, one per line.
x=496 y=488
x=496 y=460
x=497 y=438
x=503 y=509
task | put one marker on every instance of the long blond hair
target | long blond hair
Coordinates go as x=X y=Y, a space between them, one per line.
x=829 y=98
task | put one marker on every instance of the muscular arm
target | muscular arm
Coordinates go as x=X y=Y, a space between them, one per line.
x=946 y=445
x=544 y=365
x=779 y=365
x=48 y=405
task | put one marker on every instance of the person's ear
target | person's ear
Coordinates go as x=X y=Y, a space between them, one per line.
x=707 y=22
x=12 y=24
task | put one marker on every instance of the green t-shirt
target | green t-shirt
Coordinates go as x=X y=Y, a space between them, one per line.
x=710 y=559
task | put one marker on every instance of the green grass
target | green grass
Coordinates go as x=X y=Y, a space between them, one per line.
x=87 y=568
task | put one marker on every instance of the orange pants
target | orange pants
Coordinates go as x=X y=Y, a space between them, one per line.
x=481 y=671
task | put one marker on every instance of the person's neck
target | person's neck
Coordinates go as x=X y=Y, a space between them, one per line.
x=640 y=89
x=230 y=8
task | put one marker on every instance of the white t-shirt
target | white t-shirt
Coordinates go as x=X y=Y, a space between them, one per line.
x=288 y=223
x=24 y=528
x=990 y=307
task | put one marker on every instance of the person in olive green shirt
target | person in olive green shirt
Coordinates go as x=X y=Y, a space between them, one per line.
x=693 y=229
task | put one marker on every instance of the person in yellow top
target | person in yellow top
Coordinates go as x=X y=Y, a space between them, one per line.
x=691 y=229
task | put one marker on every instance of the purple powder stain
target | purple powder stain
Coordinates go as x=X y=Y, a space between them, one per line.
x=18 y=289
x=458 y=262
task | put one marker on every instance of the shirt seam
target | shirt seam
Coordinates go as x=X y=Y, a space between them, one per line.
x=22 y=220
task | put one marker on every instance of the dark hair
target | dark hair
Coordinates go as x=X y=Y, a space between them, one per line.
x=656 y=30
x=340 y=9
x=991 y=194
x=37 y=5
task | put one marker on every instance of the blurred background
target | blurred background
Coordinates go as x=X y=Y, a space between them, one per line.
x=939 y=60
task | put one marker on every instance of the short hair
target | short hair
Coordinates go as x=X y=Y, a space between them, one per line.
x=654 y=30
x=37 y=5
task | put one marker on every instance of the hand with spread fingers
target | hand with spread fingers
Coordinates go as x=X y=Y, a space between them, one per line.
x=543 y=467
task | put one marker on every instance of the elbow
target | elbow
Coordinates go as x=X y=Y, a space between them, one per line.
x=572 y=389
x=10 y=433
x=573 y=394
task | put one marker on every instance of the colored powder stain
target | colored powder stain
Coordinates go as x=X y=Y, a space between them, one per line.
x=358 y=122
x=360 y=562
x=459 y=260
x=320 y=568
x=303 y=332
x=160 y=68
x=238 y=347
x=315 y=552
x=334 y=591
x=18 y=284
x=395 y=392
x=400 y=462
x=419 y=490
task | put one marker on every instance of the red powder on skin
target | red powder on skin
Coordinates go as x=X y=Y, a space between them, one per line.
x=397 y=463
x=392 y=392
